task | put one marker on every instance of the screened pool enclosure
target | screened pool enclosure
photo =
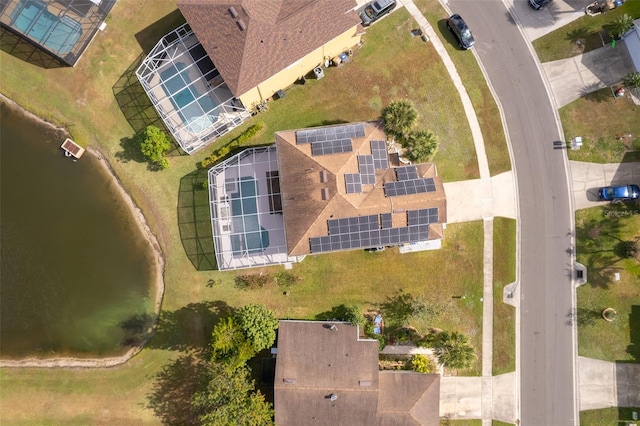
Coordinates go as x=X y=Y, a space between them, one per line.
x=188 y=92
x=64 y=28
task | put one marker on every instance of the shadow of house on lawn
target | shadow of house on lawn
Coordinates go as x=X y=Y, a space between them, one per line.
x=148 y=37
x=194 y=221
x=23 y=49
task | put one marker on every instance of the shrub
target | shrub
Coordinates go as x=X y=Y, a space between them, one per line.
x=247 y=282
x=284 y=278
x=154 y=145
x=223 y=151
x=422 y=364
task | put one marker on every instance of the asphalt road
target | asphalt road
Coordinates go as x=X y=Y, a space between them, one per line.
x=547 y=388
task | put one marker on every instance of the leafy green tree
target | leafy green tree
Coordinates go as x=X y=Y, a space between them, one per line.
x=258 y=324
x=454 y=350
x=632 y=80
x=154 y=145
x=228 y=398
x=228 y=340
x=422 y=364
x=620 y=26
x=399 y=117
x=420 y=146
x=399 y=308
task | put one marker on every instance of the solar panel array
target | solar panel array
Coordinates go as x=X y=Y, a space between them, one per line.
x=366 y=169
x=353 y=183
x=375 y=238
x=364 y=231
x=408 y=187
x=353 y=224
x=331 y=147
x=407 y=172
x=379 y=152
x=327 y=134
x=422 y=217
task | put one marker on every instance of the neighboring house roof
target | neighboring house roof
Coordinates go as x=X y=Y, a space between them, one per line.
x=265 y=36
x=318 y=359
x=306 y=212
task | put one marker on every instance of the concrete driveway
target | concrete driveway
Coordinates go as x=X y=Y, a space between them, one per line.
x=536 y=23
x=588 y=177
x=608 y=384
x=575 y=77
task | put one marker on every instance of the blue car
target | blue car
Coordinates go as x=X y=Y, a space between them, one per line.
x=623 y=192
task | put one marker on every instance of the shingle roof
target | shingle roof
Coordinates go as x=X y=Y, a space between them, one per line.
x=265 y=36
x=306 y=212
x=315 y=361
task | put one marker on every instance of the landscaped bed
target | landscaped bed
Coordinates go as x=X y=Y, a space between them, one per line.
x=602 y=234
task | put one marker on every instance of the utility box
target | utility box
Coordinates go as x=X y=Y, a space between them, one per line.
x=318 y=72
x=576 y=143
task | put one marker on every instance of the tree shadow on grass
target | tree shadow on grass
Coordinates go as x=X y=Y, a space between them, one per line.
x=189 y=328
x=194 y=220
x=173 y=390
x=634 y=333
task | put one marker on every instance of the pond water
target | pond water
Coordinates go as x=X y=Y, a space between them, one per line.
x=76 y=273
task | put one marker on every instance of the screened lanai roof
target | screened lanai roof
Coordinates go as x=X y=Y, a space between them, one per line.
x=187 y=91
x=246 y=210
x=63 y=28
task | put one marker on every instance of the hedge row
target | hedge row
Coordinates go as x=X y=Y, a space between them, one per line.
x=223 y=151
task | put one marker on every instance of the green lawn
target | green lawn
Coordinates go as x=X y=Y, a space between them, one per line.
x=104 y=107
x=499 y=423
x=609 y=127
x=474 y=82
x=504 y=316
x=599 y=233
x=612 y=416
x=589 y=30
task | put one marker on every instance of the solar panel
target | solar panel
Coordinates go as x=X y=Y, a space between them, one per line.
x=386 y=220
x=366 y=169
x=331 y=147
x=379 y=153
x=353 y=183
x=422 y=217
x=326 y=134
x=408 y=187
x=406 y=172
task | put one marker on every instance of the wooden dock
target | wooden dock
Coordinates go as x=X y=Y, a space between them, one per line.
x=72 y=149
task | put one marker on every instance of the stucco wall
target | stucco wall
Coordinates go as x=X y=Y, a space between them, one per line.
x=293 y=72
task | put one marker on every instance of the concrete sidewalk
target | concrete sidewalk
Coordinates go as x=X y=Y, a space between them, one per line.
x=572 y=78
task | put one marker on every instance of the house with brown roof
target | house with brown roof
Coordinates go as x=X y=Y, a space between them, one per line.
x=320 y=190
x=233 y=54
x=327 y=375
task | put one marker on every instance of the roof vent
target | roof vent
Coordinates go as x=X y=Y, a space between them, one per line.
x=323 y=176
x=242 y=25
x=233 y=12
x=325 y=193
x=333 y=327
x=289 y=381
x=333 y=397
x=364 y=383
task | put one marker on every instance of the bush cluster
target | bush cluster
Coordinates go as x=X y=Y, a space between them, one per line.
x=223 y=151
x=252 y=281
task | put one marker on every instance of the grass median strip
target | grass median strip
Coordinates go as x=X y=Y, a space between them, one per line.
x=504 y=316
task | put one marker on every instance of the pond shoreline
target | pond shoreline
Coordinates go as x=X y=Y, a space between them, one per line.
x=159 y=261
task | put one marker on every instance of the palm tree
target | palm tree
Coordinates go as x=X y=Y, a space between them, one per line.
x=632 y=80
x=453 y=350
x=420 y=146
x=620 y=26
x=399 y=117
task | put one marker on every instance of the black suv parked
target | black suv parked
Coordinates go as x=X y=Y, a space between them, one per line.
x=462 y=32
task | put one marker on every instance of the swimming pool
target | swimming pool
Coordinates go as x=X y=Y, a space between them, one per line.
x=197 y=115
x=248 y=236
x=59 y=34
